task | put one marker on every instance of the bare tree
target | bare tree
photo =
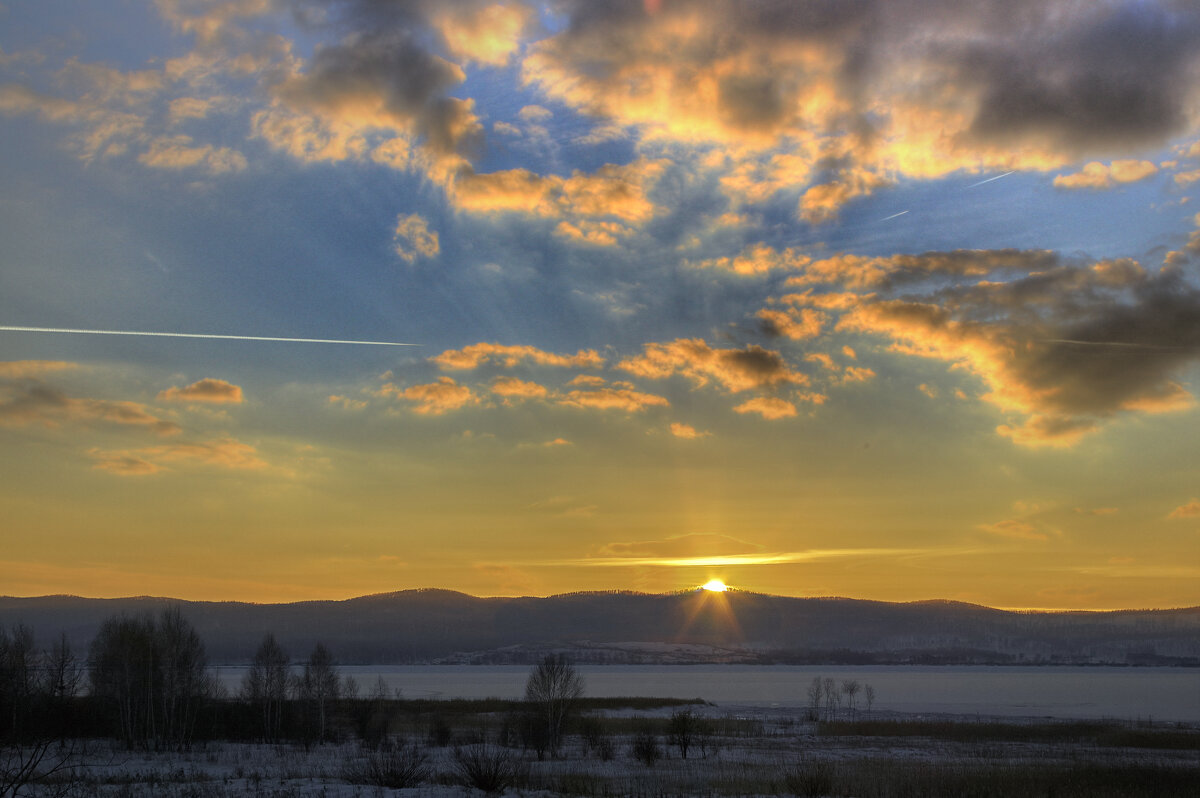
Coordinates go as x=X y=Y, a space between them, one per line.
x=18 y=677
x=319 y=686
x=869 y=695
x=682 y=730
x=153 y=674
x=266 y=684
x=814 y=699
x=850 y=688
x=832 y=697
x=553 y=687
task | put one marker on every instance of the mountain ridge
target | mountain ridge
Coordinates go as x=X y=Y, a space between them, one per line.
x=423 y=625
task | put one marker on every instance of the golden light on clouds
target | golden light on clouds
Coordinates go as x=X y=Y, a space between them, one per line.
x=806 y=295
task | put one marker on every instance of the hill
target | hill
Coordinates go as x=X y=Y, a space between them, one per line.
x=429 y=625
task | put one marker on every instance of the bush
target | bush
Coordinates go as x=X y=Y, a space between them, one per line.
x=809 y=779
x=645 y=747
x=490 y=768
x=393 y=766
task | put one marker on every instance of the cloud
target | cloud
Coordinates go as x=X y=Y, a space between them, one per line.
x=613 y=399
x=224 y=453
x=412 y=238
x=860 y=272
x=206 y=390
x=1014 y=528
x=1096 y=175
x=489 y=35
x=757 y=259
x=1189 y=510
x=1187 y=178
x=879 y=87
x=35 y=404
x=687 y=431
x=513 y=388
x=681 y=546
x=611 y=192
x=20 y=369
x=769 y=407
x=734 y=369
x=436 y=398
x=508 y=356
x=797 y=324
x=123 y=464
x=1068 y=347
x=179 y=152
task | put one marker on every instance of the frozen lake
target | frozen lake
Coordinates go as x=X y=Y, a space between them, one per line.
x=1123 y=693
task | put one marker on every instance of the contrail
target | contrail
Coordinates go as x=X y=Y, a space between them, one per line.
x=990 y=179
x=7 y=328
x=893 y=216
x=1118 y=344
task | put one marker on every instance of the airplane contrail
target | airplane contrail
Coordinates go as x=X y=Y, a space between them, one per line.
x=990 y=179
x=893 y=216
x=1117 y=344
x=9 y=328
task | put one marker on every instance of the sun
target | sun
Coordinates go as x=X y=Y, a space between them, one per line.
x=715 y=586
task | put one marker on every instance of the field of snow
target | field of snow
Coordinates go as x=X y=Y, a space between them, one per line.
x=746 y=751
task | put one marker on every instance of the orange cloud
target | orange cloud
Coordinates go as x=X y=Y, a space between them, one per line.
x=206 y=390
x=225 y=453
x=20 y=369
x=436 y=398
x=587 y=381
x=475 y=355
x=769 y=407
x=797 y=324
x=1189 y=510
x=489 y=35
x=757 y=259
x=735 y=369
x=180 y=152
x=1096 y=175
x=686 y=431
x=1014 y=528
x=613 y=399
x=611 y=192
x=513 y=388
x=36 y=404
x=412 y=238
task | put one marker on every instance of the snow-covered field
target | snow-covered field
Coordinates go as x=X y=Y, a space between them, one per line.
x=750 y=750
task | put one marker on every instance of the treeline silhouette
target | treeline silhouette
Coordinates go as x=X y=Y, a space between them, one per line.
x=145 y=680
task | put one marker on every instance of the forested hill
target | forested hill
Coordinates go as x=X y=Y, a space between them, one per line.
x=737 y=626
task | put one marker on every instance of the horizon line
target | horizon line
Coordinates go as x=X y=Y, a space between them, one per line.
x=612 y=591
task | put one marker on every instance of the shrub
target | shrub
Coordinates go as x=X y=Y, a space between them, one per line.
x=393 y=766
x=809 y=779
x=645 y=747
x=490 y=768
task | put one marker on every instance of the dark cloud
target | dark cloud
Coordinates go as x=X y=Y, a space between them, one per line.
x=30 y=403
x=1123 y=76
x=391 y=77
x=1068 y=347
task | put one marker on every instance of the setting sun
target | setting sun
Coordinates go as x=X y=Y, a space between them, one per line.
x=715 y=585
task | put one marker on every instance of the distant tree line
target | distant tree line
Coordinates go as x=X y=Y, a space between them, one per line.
x=146 y=681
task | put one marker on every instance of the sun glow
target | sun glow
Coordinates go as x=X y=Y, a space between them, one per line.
x=715 y=586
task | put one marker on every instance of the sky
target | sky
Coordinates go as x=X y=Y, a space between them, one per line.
x=886 y=299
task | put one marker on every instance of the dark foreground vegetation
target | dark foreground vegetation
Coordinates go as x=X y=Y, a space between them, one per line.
x=141 y=715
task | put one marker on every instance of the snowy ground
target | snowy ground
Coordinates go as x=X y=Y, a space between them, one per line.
x=747 y=759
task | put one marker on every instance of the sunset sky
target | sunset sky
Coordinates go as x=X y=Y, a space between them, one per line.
x=887 y=299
